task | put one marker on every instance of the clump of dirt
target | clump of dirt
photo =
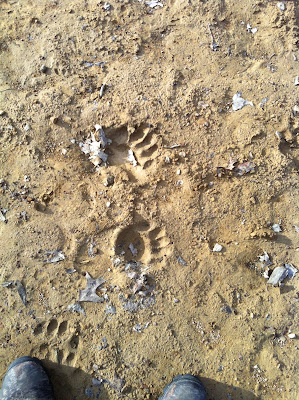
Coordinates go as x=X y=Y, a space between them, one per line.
x=183 y=173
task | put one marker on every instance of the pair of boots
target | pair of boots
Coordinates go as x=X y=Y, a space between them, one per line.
x=27 y=379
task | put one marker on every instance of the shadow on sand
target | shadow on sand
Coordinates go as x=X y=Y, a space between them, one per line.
x=71 y=384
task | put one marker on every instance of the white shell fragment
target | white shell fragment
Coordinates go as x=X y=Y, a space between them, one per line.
x=96 y=146
x=89 y=294
x=276 y=228
x=2 y=217
x=54 y=256
x=131 y=158
x=265 y=260
x=292 y=271
x=280 y=273
x=239 y=102
x=217 y=248
x=154 y=3
x=278 y=135
x=281 y=5
x=133 y=250
x=296 y=83
x=292 y=335
x=250 y=29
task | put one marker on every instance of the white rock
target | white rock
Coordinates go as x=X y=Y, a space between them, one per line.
x=292 y=335
x=276 y=228
x=239 y=102
x=131 y=158
x=217 y=248
x=154 y=3
x=281 y=5
x=278 y=275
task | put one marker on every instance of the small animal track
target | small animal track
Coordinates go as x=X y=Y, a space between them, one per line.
x=61 y=344
x=142 y=140
x=142 y=242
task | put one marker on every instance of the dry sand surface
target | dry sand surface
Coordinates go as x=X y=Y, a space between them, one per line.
x=167 y=303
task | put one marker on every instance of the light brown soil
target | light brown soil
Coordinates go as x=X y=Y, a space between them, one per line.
x=215 y=316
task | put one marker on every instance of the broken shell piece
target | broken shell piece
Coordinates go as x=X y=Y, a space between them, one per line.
x=278 y=275
x=89 y=294
x=244 y=168
x=57 y=256
x=250 y=29
x=276 y=228
x=22 y=291
x=278 y=134
x=292 y=335
x=101 y=136
x=96 y=147
x=131 y=158
x=265 y=260
x=217 y=248
x=292 y=271
x=239 y=102
x=133 y=250
x=182 y=261
x=296 y=81
x=281 y=5
x=2 y=217
x=154 y=3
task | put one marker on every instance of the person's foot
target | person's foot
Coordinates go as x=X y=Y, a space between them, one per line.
x=27 y=379
x=184 y=387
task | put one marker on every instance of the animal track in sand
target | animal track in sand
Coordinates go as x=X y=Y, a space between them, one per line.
x=142 y=140
x=61 y=344
x=142 y=242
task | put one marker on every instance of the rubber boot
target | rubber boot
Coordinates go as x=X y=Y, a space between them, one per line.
x=27 y=379
x=184 y=387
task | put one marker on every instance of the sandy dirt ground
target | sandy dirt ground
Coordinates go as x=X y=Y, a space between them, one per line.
x=160 y=81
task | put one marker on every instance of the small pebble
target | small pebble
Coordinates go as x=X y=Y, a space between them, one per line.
x=292 y=335
x=109 y=181
x=276 y=228
x=43 y=69
x=108 y=204
x=297 y=81
x=281 y=5
x=217 y=248
x=278 y=134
